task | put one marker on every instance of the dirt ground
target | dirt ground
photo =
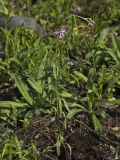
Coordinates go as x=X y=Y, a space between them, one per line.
x=85 y=143
x=80 y=141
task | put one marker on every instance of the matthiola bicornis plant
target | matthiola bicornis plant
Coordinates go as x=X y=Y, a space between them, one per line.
x=62 y=33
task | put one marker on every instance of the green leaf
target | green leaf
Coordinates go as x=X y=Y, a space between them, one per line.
x=97 y=124
x=116 y=102
x=4 y=150
x=60 y=106
x=22 y=88
x=113 y=55
x=95 y=90
x=73 y=112
x=116 y=44
x=102 y=74
x=81 y=76
x=55 y=70
x=35 y=85
x=79 y=106
x=10 y=104
x=66 y=94
x=115 y=50
x=14 y=60
x=65 y=104
x=112 y=82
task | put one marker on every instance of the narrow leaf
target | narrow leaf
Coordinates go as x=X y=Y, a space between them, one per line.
x=73 y=112
x=35 y=85
x=9 y=104
x=97 y=124
x=66 y=94
x=81 y=76
x=22 y=88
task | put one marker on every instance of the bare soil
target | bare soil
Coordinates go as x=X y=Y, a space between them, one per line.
x=85 y=143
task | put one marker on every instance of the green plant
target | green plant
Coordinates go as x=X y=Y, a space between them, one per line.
x=54 y=76
x=14 y=149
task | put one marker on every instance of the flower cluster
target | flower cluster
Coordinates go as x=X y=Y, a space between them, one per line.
x=61 y=34
x=91 y=23
x=91 y=26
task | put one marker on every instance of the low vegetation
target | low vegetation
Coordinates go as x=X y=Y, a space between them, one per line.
x=60 y=92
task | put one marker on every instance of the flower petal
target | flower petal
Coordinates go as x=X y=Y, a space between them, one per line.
x=64 y=30
x=56 y=32
x=61 y=36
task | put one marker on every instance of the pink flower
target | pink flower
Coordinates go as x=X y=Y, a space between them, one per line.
x=61 y=34
x=91 y=23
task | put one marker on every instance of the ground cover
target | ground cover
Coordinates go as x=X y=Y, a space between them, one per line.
x=59 y=92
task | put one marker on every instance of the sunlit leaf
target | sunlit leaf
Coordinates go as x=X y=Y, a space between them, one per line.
x=97 y=124
x=116 y=44
x=73 y=112
x=35 y=85
x=81 y=76
x=10 y=104
x=22 y=88
x=66 y=94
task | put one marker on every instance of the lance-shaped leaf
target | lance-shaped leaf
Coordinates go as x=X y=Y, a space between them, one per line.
x=73 y=112
x=9 y=104
x=22 y=88
x=81 y=76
